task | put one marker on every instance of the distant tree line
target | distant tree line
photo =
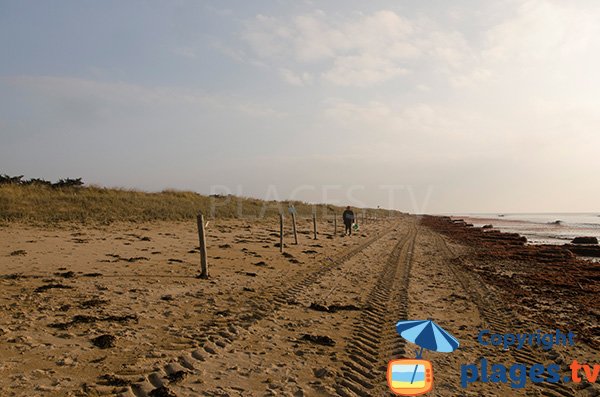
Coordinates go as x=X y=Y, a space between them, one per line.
x=18 y=180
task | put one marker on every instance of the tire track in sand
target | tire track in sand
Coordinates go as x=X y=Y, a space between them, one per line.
x=274 y=359
x=374 y=339
x=222 y=333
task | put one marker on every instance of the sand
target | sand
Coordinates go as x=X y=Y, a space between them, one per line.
x=118 y=310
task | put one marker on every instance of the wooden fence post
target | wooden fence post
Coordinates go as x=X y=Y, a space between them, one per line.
x=280 y=232
x=334 y=224
x=202 y=239
x=294 y=228
x=315 y=225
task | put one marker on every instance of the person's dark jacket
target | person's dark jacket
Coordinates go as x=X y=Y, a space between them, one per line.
x=348 y=216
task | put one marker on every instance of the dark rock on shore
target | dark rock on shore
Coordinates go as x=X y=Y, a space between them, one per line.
x=585 y=240
x=584 y=250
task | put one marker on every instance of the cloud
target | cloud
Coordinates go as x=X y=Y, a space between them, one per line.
x=364 y=51
x=362 y=71
x=265 y=36
x=543 y=30
x=297 y=79
x=543 y=43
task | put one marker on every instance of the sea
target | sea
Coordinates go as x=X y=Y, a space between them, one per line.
x=543 y=228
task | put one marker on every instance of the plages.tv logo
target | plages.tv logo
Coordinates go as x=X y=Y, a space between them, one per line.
x=412 y=377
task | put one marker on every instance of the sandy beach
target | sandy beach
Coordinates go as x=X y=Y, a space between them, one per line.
x=156 y=155
x=118 y=310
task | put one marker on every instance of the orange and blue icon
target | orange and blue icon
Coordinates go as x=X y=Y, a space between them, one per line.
x=412 y=377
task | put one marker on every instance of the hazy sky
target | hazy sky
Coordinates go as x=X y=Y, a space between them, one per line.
x=426 y=106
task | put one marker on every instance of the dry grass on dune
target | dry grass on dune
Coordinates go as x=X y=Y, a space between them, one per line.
x=95 y=204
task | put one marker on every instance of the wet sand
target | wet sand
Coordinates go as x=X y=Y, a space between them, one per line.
x=118 y=310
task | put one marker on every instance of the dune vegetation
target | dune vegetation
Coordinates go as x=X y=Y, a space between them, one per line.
x=43 y=202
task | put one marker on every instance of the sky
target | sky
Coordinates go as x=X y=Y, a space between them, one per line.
x=424 y=106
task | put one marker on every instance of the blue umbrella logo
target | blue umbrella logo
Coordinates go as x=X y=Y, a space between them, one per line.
x=427 y=335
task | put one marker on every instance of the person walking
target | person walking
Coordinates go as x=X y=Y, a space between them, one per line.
x=348 y=217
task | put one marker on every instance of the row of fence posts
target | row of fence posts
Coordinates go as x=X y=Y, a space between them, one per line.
x=294 y=231
x=202 y=236
x=314 y=219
